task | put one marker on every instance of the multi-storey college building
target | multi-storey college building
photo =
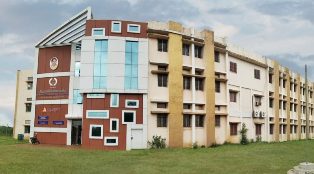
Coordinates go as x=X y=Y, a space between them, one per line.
x=112 y=84
x=23 y=103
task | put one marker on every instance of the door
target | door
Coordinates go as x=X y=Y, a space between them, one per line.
x=76 y=132
x=137 y=139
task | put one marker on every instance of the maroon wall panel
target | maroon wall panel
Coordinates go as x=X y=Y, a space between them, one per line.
x=52 y=138
x=51 y=113
x=52 y=88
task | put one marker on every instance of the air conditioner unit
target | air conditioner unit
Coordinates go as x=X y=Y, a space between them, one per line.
x=256 y=114
x=264 y=114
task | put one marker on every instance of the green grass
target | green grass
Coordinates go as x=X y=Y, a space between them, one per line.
x=256 y=158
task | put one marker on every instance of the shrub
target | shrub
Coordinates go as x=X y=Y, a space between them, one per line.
x=244 y=140
x=157 y=142
x=259 y=139
x=195 y=145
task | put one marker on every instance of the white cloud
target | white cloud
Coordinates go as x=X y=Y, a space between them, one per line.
x=224 y=30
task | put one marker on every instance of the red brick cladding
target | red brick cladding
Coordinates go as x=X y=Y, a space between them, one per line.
x=52 y=138
x=44 y=91
x=63 y=53
x=104 y=104
x=54 y=113
x=107 y=25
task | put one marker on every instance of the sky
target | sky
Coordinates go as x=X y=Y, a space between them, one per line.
x=282 y=30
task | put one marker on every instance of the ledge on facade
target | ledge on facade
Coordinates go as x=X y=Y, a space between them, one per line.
x=219 y=79
x=187 y=41
x=157 y=36
x=159 y=63
x=194 y=113
x=159 y=72
x=158 y=101
x=198 y=40
x=221 y=114
x=192 y=75
x=159 y=112
x=155 y=31
x=258 y=95
x=247 y=59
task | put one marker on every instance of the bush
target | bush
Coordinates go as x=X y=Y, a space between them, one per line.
x=157 y=142
x=244 y=140
x=258 y=139
x=195 y=145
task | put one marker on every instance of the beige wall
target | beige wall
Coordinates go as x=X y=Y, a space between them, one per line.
x=21 y=117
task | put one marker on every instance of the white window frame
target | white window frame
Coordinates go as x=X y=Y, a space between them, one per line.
x=136 y=106
x=88 y=117
x=117 y=120
x=129 y=111
x=116 y=22
x=98 y=96
x=114 y=106
x=103 y=29
x=90 y=131
x=111 y=144
x=135 y=25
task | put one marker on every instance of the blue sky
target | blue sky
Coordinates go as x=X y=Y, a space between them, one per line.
x=281 y=29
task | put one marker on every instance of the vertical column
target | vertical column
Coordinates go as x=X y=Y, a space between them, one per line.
x=299 y=112
x=175 y=86
x=193 y=88
x=276 y=100
x=288 y=103
x=209 y=86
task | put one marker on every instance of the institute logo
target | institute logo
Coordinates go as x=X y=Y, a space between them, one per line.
x=53 y=82
x=54 y=62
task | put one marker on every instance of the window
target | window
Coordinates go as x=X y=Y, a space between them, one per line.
x=100 y=64
x=97 y=114
x=162 y=45
x=77 y=71
x=131 y=65
x=257 y=74
x=186 y=106
x=29 y=85
x=233 y=67
x=161 y=105
x=199 y=120
x=95 y=131
x=280 y=104
x=187 y=119
x=258 y=100
x=116 y=27
x=114 y=100
x=131 y=103
x=198 y=51
x=162 y=68
x=199 y=107
x=271 y=102
x=77 y=97
x=258 y=129
x=295 y=107
x=199 y=84
x=233 y=129
x=186 y=49
x=233 y=96
x=186 y=82
x=133 y=28
x=98 y=32
x=271 y=129
x=284 y=129
x=162 y=120
x=217 y=120
x=295 y=88
x=111 y=141
x=270 y=78
x=28 y=107
x=217 y=86
x=128 y=117
x=114 y=125
x=284 y=83
x=95 y=95
x=162 y=80
x=217 y=56
x=291 y=106
x=27 y=129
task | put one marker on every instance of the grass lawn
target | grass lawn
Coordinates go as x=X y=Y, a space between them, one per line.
x=16 y=157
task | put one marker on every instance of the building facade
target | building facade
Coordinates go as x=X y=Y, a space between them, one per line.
x=113 y=84
x=23 y=103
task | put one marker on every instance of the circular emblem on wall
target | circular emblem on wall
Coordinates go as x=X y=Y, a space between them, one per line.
x=54 y=62
x=53 y=82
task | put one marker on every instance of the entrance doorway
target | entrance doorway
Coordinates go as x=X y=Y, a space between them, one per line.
x=76 y=138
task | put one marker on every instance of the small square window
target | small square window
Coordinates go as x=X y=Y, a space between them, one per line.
x=27 y=129
x=114 y=125
x=128 y=117
x=28 y=107
x=186 y=106
x=98 y=32
x=111 y=141
x=131 y=103
x=133 y=28
x=161 y=105
x=95 y=131
x=116 y=27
